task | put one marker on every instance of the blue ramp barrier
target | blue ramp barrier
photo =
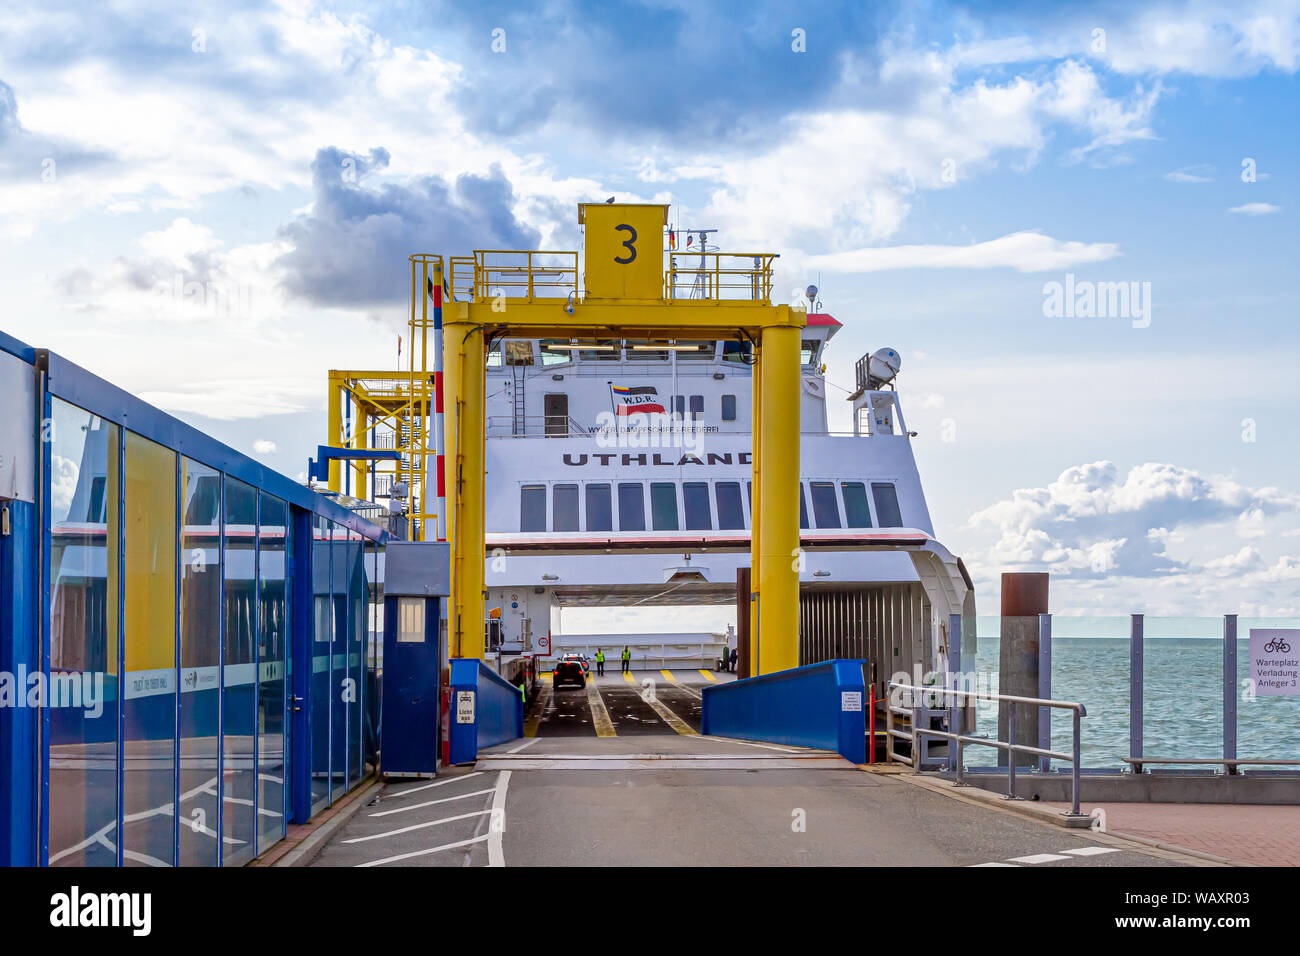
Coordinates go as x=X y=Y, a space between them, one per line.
x=486 y=709
x=819 y=705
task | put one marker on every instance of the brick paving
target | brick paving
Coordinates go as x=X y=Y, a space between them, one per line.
x=1263 y=835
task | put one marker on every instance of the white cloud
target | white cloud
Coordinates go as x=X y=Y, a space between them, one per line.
x=1022 y=251
x=1255 y=209
x=264 y=446
x=1191 y=174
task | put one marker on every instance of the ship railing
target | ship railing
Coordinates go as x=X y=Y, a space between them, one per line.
x=535 y=426
x=1230 y=765
x=518 y=273
x=962 y=699
x=738 y=276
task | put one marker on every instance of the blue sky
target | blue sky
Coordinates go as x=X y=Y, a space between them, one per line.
x=934 y=165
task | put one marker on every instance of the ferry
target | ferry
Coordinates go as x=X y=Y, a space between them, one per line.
x=619 y=474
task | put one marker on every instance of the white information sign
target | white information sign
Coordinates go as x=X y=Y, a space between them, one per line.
x=1275 y=661
x=464 y=707
x=850 y=700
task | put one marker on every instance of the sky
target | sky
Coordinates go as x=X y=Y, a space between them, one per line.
x=211 y=204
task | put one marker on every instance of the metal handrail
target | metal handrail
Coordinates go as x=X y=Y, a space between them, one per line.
x=963 y=698
x=1229 y=764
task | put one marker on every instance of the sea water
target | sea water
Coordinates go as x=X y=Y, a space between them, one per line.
x=1182 y=698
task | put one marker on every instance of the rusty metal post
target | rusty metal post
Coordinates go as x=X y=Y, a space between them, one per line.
x=743 y=644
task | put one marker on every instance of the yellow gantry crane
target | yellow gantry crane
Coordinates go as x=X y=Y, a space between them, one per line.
x=617 y=287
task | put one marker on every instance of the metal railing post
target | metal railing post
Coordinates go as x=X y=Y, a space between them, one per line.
x=954 y=667
x=1074 y=769
x=889 y=725
x=1044 y=689
x=1011 y=751
x=1229 y=692
x=1135 y=692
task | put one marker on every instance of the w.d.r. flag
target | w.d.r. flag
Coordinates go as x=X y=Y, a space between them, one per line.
x=638 y=400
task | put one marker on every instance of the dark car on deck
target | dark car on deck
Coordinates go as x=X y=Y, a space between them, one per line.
x=568 y=671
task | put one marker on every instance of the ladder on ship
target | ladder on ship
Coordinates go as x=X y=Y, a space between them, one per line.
x=518 y=423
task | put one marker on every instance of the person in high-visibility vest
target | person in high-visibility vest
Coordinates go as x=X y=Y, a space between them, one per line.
x=627 y=660
x=600 y=661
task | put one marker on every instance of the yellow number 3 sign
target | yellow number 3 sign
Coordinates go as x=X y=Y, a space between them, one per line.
x=624 y=250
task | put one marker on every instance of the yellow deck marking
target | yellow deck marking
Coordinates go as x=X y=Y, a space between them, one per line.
x=669 y=718
x=708 y=675
x=627 y=676
x=599 y=715
x=668 y=675
x=539 y=709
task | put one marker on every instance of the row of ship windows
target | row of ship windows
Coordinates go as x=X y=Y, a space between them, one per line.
x=846 y=508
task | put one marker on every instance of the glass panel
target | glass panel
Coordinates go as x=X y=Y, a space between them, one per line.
x=357 y=589
x=519 y=353
x=600 y=515
x=803 y=508
x=551 y=355
x=825 y=508
x=273 y=655
x=84 y=530
x=374 y=656
x=697 y=406
x=200 y=690
x=736 y=352
x=808 y=351
x=611 y=350
x=239 y=673
x=494 y=355
x=695 y=500
x=410 y=620
x=856 y=513
x=663 y=506
x=728 y=408
x=340 y=571
x=696 y=351
x=631 y=506
x=886 y=499
x=323 y=628
x=532 y=508
x=565 y=504
x=730 y=514
x=149 y=616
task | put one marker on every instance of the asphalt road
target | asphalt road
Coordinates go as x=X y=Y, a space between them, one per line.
x=655 y=793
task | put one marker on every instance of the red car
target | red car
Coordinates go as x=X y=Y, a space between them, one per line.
x=568 y=672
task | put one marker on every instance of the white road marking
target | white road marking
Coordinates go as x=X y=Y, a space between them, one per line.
x=430 y=803
x=436 y=849
x=426 y=786
x=1092 y=850
x=976 y=865
x=497 y=821
x=527 y=743
x=750 y=743
x=417 y=826
x=1038 y=858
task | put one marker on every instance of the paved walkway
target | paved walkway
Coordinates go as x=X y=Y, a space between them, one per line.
x=1264 y=835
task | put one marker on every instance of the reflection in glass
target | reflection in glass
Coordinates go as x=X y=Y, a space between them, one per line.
x=149 y=686
x=357 y=590
x=273 y=651
x=200 y=683
x=84 y=532
x=374 y=658
x=339 y=575
x=239 y=674
x=320 y=665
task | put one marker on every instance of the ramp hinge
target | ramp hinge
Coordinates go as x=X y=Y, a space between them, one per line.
x=5 y=530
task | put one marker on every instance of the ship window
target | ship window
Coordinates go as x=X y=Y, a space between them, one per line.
x=825 y=508
x=519 y=353
x=808 y=351
x=663 y=506
x=803 y=508
x=736 y=352
x=856 y=513
x=697 y=407
x=886 y=498
x=638 y=352
x=695 y=499
x=728 y=408
x=610 y=350
x=494 y=355
x=564 y=503
x=552 y=354
x=599 y=514
x=679 y=406
x=730 y=515
x=532 y=508
x=702 y=354
x=631 y=506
